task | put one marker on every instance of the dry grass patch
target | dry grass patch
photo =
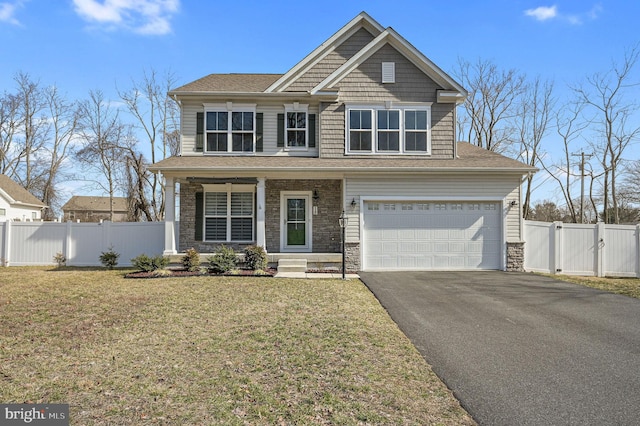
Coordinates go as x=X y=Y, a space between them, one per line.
x=626 y=286
x=208 y=350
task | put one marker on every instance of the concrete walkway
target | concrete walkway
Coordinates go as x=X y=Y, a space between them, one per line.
x=316 y=275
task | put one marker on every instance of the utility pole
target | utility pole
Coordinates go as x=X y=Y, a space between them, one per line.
x=582 y=154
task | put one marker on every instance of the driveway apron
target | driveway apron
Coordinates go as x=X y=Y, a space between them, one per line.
x=522 y=349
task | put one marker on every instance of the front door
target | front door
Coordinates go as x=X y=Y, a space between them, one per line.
x=296 y=222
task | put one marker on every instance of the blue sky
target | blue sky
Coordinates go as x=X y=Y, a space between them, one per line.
x=80 y=45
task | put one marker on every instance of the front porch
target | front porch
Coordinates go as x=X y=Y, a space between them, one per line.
x=288 y=217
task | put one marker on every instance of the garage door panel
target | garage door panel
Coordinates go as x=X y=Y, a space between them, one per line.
x=421 y=235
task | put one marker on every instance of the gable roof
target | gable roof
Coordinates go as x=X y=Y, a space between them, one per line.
x=391 y=37
x=470 y=159
x=277 y=84
x=16 y=194
x=96 y=204
x=362 y=20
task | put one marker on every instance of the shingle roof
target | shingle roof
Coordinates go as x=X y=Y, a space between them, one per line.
x=470 y=158
x=96 y=204
x=17 y=192
x=242 y=83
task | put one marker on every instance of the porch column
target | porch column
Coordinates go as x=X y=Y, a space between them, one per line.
x=169 y=217
x=260 y=214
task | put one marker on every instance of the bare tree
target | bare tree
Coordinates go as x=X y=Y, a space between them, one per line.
x=605 y=93
x=490 y=105
x=157 y=116
x=32 y=133
x=106 y=141
x=569 y=127
x=531 y=121
x=10 y=123
x=63 y=117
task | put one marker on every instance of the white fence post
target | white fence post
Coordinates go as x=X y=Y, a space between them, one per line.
x=6 y=255
x=68 y=241
x=557 y=247
x=600 y=244
x=637 y=251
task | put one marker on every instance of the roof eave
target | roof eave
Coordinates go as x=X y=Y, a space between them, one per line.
x=421 y=170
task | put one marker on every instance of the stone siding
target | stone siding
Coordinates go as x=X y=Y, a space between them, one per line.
x=352 y=258
x=515 y=257
x=325 y=231
x=325 y=227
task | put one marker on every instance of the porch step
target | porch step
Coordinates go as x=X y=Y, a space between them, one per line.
x=292 y=265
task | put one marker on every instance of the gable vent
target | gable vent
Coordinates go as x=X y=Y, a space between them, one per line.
x=388 y=72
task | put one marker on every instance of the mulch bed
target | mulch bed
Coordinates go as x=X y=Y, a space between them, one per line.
x=171 y=273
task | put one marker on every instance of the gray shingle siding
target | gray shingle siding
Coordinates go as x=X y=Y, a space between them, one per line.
x=332 y=61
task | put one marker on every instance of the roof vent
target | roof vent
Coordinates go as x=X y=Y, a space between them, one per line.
x=388 y=72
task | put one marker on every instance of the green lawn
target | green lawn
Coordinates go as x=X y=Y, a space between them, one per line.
x=205 y=350
x=627 y=286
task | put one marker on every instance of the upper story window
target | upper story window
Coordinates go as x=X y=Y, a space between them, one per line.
x=296 y=126
x=360 y=130
x=380 y=130
x=230 y=128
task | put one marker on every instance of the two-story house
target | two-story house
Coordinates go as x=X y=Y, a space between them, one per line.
x=365 y=125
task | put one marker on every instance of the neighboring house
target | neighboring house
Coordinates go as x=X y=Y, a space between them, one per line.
x=18 y=204
x=365 y=124
x=95 y=209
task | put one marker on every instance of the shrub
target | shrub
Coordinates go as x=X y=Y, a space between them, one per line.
x=223 y=261
x=255 y=257
x=150 y=264
x=60 y=259
x=109 y=258
x=191 y=260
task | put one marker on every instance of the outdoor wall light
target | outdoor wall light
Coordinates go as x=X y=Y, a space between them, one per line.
x=513 y=203
x=316 y=195
x=353 y=202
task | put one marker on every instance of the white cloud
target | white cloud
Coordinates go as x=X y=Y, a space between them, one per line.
x=8 y=12
x=544 y=13
x=152 y=17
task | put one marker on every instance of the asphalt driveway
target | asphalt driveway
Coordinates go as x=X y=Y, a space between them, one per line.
x=521 y=349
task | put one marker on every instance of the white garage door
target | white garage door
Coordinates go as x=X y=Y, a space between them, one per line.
x=431 y=235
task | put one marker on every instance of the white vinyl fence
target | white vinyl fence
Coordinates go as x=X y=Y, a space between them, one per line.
x=582 y=249
x=36 y=243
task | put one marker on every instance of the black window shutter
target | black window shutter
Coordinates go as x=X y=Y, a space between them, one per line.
x=199 y=215
x=259 y=119
x=199 y=131
x=281 y=130
x=312 y=130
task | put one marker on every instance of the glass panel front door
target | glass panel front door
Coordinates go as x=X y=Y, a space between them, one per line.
x=296 y=222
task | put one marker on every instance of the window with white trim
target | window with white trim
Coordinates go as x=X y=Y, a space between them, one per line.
x=229 y=216
x=360 y=130
x=230 y=129
x=398 y=129
x=388 y=130
x=3 y=212
x=296 y=126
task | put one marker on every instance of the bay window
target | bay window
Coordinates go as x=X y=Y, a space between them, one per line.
x=403 y=129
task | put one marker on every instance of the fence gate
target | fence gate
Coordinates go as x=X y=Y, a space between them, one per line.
x=582 y=249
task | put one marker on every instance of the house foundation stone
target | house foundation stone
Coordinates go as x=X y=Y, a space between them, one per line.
x=515 y=257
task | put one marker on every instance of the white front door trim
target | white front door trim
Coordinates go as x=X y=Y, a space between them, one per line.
x=287 y=195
